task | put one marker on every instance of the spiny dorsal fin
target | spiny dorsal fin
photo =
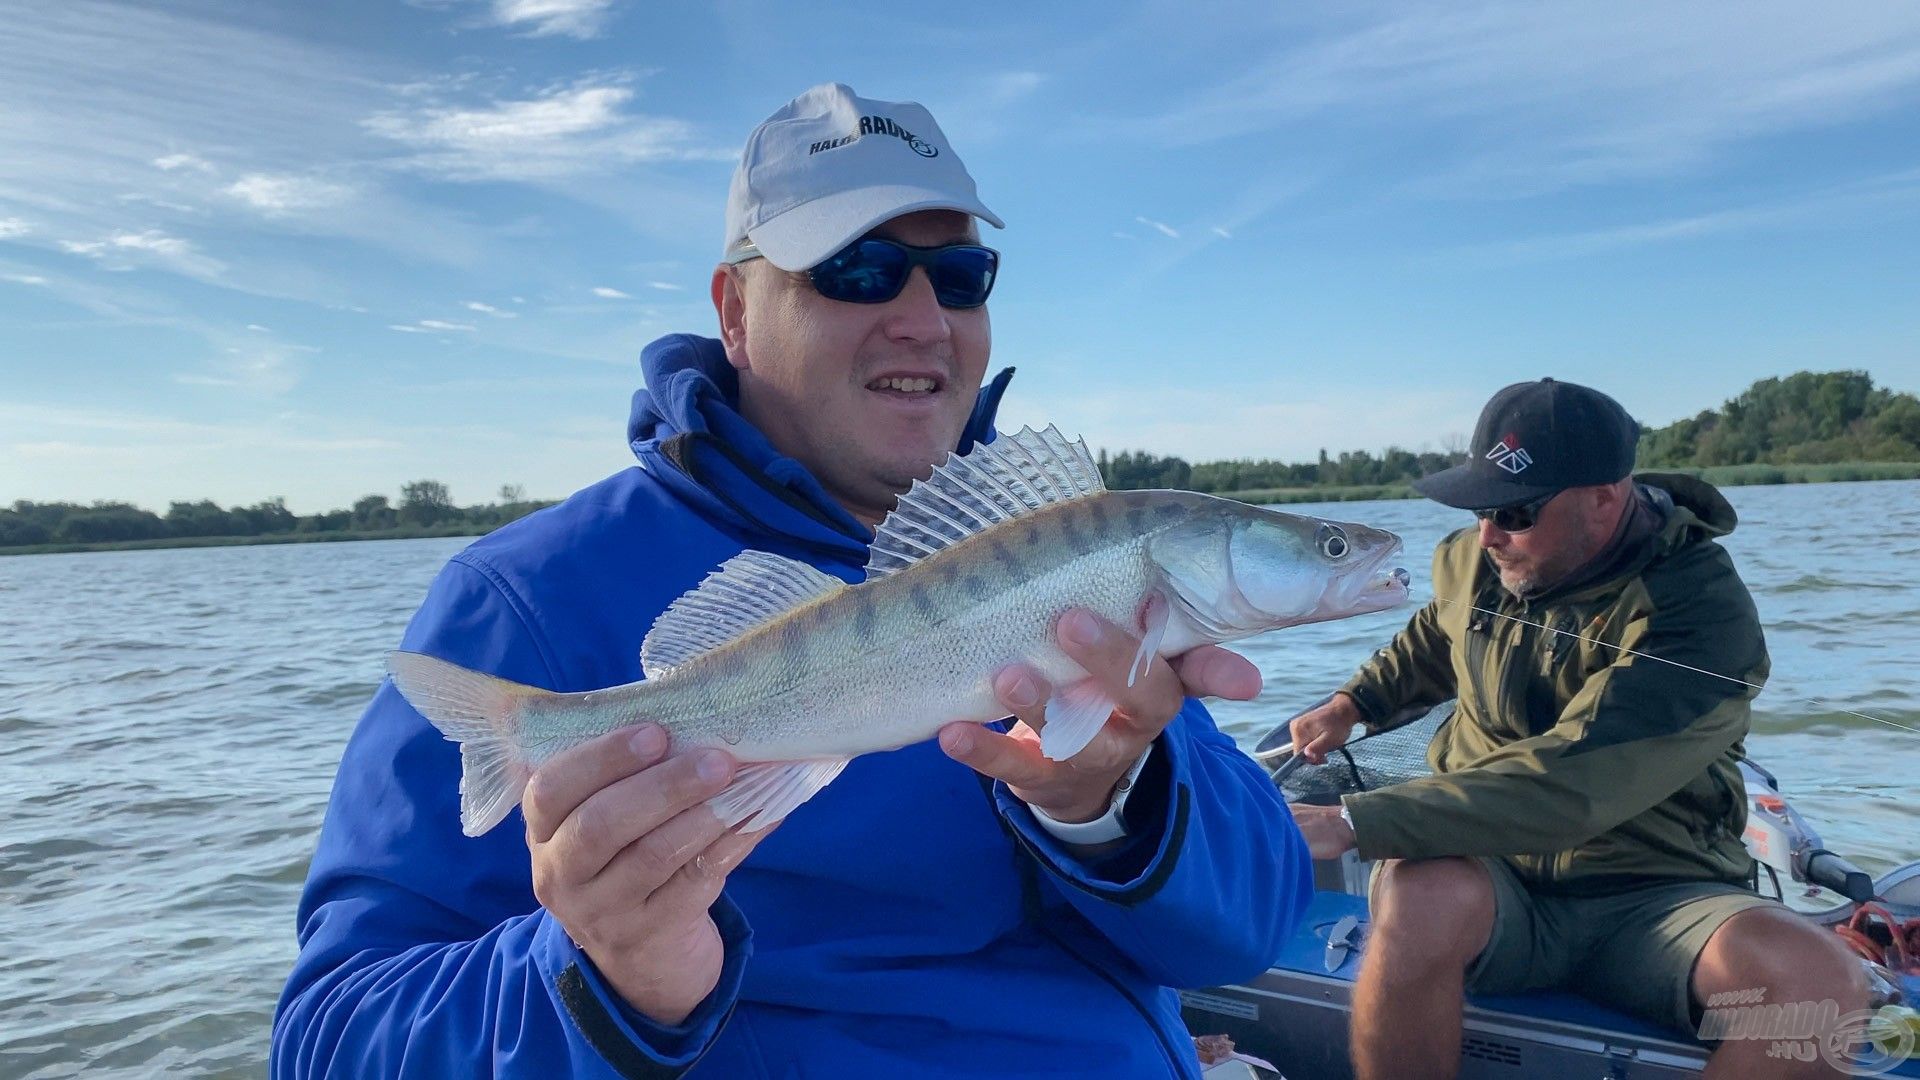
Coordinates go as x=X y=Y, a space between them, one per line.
x=751 y=589
x=1013 y=475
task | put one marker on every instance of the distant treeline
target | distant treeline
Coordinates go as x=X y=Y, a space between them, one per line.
x=425 y=507
x=1130 y=469
x=1821 y=426
x=1807 y=418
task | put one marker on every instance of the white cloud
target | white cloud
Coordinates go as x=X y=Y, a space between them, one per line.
x=286 y=194
x=12 y=227
x=432 y=326
x=269 y=371
x=258 y=329
x=149 y=247
x=605 y=293
x=182 y=161
x=1009 y=87
x=489 y=309
x=1222 y=233
x=561 y=132
x=110 y=105
x=24 y=279
x=666 y=286
x=1874 y=197
x=547 y=18
x=150 y=240
x=1537 y=96
x=1163 y=228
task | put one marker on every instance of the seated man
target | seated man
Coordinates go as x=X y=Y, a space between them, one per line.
x=1582 y=828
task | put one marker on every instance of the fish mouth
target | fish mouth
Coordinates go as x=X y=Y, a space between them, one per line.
x=1387 y=590
x=1384 y=588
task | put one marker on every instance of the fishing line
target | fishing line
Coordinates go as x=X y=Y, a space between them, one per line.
x=1675 y=663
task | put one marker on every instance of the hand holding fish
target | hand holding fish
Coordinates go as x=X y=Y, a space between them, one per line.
x=1079 y=788
x=628 y=858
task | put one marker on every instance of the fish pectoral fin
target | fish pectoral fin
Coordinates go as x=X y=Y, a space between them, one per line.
x=764 y=792
x=1074 y=716
x=1153 y=630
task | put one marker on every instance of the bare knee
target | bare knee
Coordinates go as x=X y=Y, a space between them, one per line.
x=1433 y=911
x=1781 y=953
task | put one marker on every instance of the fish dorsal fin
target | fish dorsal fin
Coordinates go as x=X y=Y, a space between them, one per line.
x=751 y=589
x=1010 y=476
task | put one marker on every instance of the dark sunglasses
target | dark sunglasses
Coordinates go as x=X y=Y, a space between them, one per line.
x=1517 y=519
x=874 y=271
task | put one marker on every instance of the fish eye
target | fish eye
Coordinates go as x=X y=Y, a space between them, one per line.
x=1332 y=542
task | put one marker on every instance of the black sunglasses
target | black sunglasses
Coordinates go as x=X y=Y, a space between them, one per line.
x=874 y=271
x=1517 y=519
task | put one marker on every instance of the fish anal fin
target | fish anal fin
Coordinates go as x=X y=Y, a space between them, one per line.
x=764 y=792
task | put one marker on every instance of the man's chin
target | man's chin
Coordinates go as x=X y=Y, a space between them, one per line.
x=1519 y=585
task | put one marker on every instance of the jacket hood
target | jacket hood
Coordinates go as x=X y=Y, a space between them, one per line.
x=685 y=427
x=1706 y=510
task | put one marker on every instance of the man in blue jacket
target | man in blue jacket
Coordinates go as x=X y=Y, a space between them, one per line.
x=959 y=909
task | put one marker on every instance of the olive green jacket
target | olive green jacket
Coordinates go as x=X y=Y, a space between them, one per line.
x=1586 y=767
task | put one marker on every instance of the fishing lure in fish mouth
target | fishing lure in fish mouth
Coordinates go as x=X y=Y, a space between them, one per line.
x=794 y=672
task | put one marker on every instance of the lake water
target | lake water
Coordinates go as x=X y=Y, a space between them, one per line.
x=171 y=721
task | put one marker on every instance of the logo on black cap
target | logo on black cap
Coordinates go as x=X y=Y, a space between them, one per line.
x=1510 y=455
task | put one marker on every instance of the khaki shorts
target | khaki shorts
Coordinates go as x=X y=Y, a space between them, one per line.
x=1632 y=950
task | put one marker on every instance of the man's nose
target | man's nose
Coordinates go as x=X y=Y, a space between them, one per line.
x=1491 y=535
x=916 y=315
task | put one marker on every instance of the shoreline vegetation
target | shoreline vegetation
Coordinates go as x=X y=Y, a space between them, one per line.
x=1807 y=428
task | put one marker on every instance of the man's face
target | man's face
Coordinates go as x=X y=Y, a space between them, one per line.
x=867 y=396
x=1569 y=531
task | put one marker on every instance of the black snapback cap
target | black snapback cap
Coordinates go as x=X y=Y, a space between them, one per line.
x=1535 y=439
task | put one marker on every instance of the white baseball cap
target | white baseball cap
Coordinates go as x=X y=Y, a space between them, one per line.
x=830 y=165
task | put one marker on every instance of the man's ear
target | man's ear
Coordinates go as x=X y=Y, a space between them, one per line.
x=730 y=303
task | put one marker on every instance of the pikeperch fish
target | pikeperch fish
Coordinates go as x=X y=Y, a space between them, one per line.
x=794 y=672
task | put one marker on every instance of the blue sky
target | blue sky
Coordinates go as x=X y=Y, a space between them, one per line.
x=317 y=250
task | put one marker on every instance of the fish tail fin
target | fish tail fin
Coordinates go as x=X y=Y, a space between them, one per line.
x=484 y=715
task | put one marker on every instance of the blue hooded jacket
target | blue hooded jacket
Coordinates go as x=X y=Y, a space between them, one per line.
x=910 y=920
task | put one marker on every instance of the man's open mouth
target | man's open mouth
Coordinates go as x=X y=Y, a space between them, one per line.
x=905 y=384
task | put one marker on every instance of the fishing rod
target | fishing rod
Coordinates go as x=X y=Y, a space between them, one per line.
x=1675 y=663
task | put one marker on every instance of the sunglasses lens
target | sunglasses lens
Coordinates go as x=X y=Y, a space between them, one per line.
x=963 y=276
x=874 y=271
x=1512 y=518
x=869 y=272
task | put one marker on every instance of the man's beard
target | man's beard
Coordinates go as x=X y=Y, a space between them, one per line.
x=1517 y=585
